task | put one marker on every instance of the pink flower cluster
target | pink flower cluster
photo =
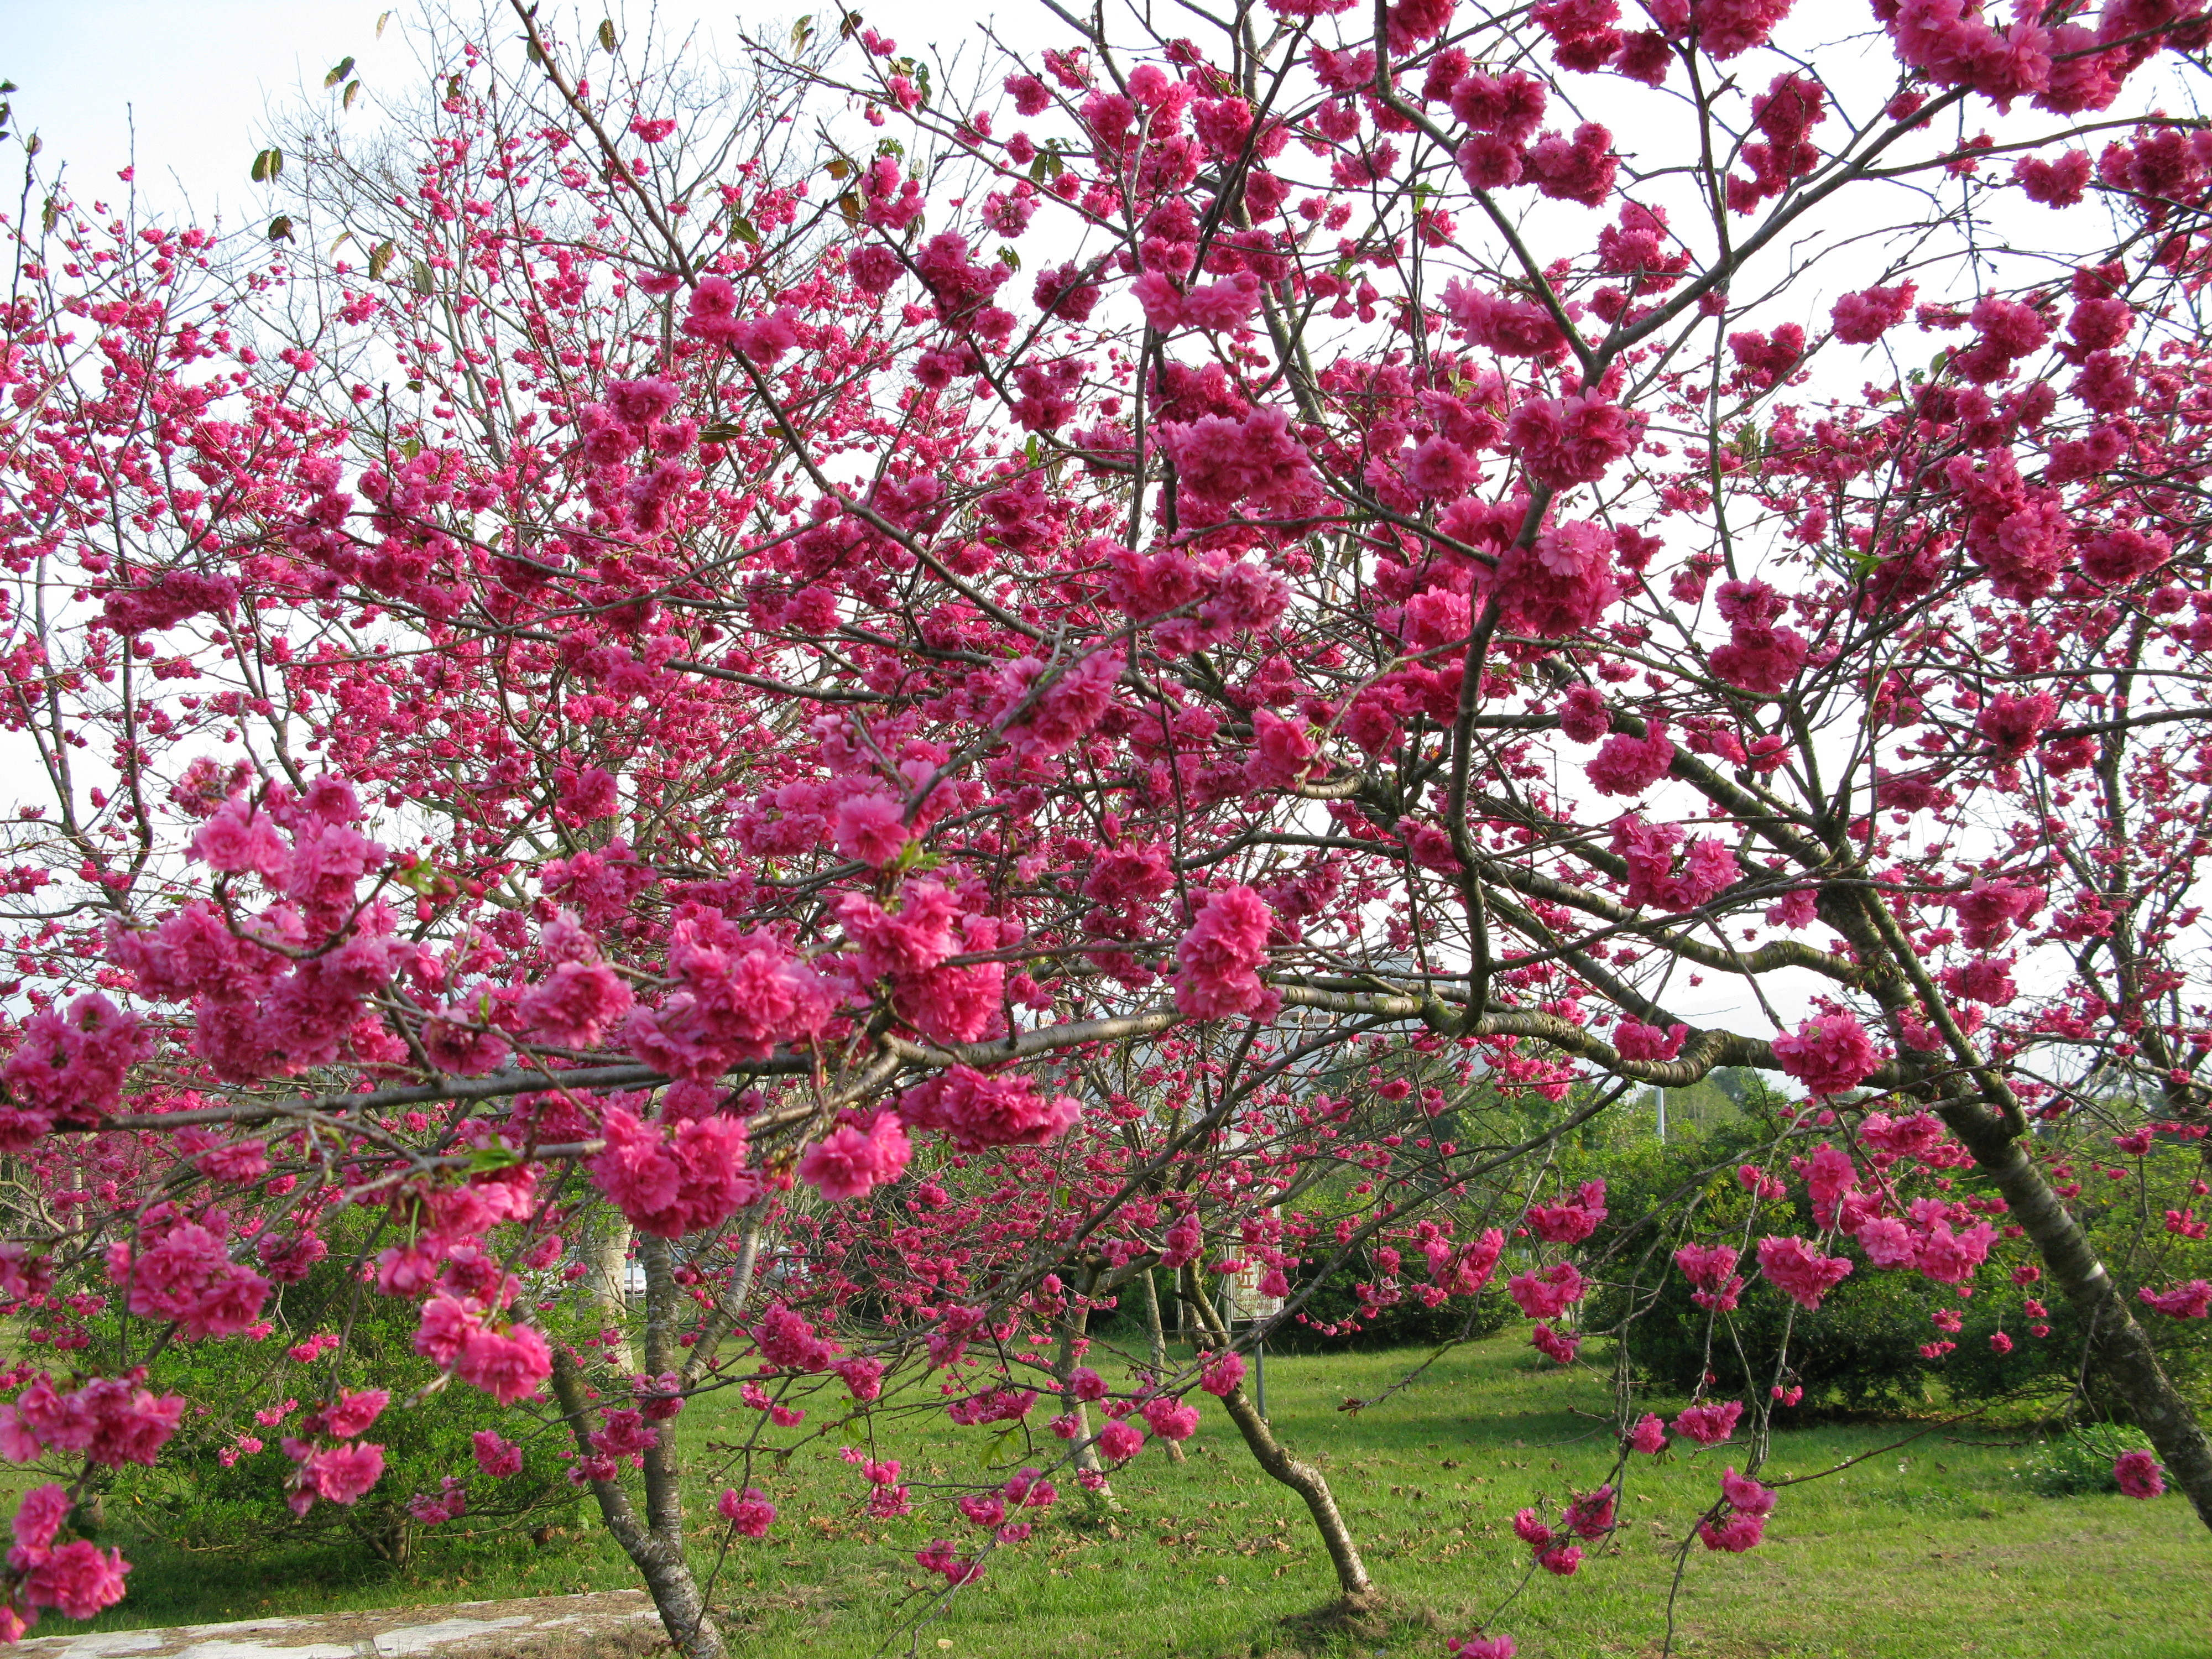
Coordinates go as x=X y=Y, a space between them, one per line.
x=1828 y=1054
x=1710 y=1423
x=1573 y=1219
x=1219 y=958
x=1799 y=1271
x=1629 y=765
x=182 y=1271
x=1464 y=1270
x=69 y=1066
x=1548 y=1292
x=76 y=1578
x=1742 y=1523
x=749 y=1513
x=738 y=994
x=508 y=1362
x=1563 y=442
x=975 y=1110
x=1924 y=1240
x=1711 y=1269
x=500 y=1458
x=2190 y=1301
x=671 y=1185
x=866 y=1149
x=111 y=1420
x=1761 y=656
x=1254 y=462
x=2138 y=1474
x=341 y=1474
x=1657 y=879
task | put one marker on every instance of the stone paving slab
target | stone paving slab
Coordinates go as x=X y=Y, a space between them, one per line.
x=602 y=1625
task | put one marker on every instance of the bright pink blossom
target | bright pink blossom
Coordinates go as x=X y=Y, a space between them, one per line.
x=1219 y=958
x=1828 y=1054
x=2139 y=1475
x=749 y=1513
x=1799 y=1271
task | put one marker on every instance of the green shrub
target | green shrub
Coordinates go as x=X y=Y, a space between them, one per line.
x=2082 y=1461
x=1861 y=1350
x=1407 y=1323
x=209 y=1494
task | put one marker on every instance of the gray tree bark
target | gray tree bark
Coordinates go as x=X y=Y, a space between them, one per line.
x=1281 y=1464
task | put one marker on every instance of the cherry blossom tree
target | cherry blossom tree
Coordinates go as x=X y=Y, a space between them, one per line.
x=947 y=682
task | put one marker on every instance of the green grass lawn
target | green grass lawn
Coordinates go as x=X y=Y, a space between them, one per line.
x=1937 y=1549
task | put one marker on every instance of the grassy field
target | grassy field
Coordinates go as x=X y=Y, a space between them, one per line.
x=1935 y=1549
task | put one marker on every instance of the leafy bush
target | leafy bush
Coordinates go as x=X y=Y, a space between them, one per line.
x=1861 y=1350
x=1407 y=1323
x=213 y=1491
x=2082 y=1461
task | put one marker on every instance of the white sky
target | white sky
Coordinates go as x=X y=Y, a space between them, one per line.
x=196 y=77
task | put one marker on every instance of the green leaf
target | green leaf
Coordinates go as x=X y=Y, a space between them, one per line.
x=839 y=168
x=419 y=878
x=379 y=260
x=452 y=87
x=485 y=1159
x=607 y=32
x=721 y=432
x=890 y=147
x=411 y=448
x=280 y=228
x=802 y=31
x=352 y=91
x=1008 y=257
x=530 y=51
x=381 y=22
x=266 y=165
x=344 y=67
x=742 y=229
x=420 y=273
x=850 y=27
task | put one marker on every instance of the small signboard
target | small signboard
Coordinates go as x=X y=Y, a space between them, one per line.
x=1243 y=1288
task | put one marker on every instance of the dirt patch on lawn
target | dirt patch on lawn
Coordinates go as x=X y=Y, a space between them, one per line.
x=610 y=1625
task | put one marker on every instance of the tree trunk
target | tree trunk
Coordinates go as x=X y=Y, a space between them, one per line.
x=1281 y=1464
x=658 y=1558
x=1158 y=1335
x=1073 y=1324
x=2121 y=1351
x=729 y=1311
x=1997 y=1135
x=606 y=1256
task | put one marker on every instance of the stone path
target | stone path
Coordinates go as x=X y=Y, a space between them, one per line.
x=609 y=1625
